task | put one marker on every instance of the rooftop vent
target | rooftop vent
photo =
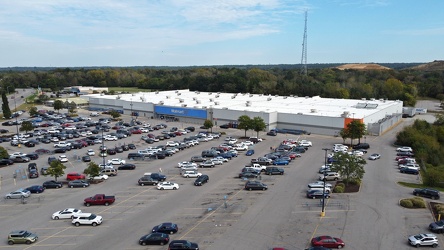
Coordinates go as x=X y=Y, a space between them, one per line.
x=299 y=113
x=234 y=96
x=276 y=96
x=204 y=107
x=313 y=111
x=177 y=91
x=181 y=100
x=363 y=99
x=211 y=99
x=133 y=94
x=157 y=92
x=167 y=97
x=161 y=103
x=285 y=97
x=372 y=99
x=198 y=101
x=217 y=96
x=216 y=103
x=118 y=97
x=210 y=93
x=225 y=108
x=251 y=95
x=269 y=99
x=345 y=114
x=248 y=104
x=306 y=97
x=218 y=93
x=194 y=98
x=183 y=105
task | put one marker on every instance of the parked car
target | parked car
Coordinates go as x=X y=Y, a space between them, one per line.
x=182 y=244
x=154 y=239
x=67 y=213
x=330 y=176
x=166 y=227
x=35 y=189
x=52 y=184
x=255 y=185
x=207 y=164
x=407 y=170
x=249 y=152
x=21 y=237
x=427 y=192
x=201 y=180
x=78 y=183
x=327 y=241
x=423 y=240
x=18 y=194
x=249 y=175
x=127 y=166
x=274 y=170
x=361 y=146
x=166 y=185
x=87 y=219
x=75 y=176
x=437 y=227
x=147 y=180
x=313 y=194
x=86 y=158
x=404 y=149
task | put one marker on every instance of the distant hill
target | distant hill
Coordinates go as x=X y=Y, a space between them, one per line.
x=437 y=65
x=362 y=66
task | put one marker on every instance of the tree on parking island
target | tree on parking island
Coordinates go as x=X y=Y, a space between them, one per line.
x=33 y=111
x=245 y=123
x=26 y=126
x=4 y=153
x=56 y=169
x=114 y=114
x=58 y=105
x=92 y=170
x=208 y=124
x=258 y=125
x=350 y=167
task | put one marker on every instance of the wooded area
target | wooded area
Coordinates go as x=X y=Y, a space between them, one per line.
x=405 y=85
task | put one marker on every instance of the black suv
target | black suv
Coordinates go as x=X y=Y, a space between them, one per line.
x=255 y=185
x=426 y=192
x=201 y=180
x=182 y=244
x=361 y=146
x=274 y=170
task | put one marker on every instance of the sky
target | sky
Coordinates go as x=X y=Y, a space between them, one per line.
x=79 y=33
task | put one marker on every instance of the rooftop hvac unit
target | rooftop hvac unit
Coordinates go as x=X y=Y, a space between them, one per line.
x=118 y=97
x=225 y=108
x=197 y=101
x=251 y=95
x=285 y=97
x=167 y=97
x=381 y=99
x=372 y=99
x=133 y=94
x=313 y=110
x=210 y=93
x=299 y=113
x=269 y=99
x=177 y=91
x=196 y=107
x=234 y=96
x=276 y=96
x=345 y=114
x=363 y=99
x=291 y=95
x=204 y=107
x=211 y=99
x=194 y=98
x=216 y=103
x=306 y=97
x=197 y=92
x=183 y=105
x=217 y=96
x=157 y=92
x=248 y=104
x=181 y=100
x=161 y=103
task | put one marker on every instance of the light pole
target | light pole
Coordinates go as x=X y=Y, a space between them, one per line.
x=323 y=191
x=16 y=122
x=102 y=152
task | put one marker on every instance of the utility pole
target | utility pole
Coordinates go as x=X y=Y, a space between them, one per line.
x=304 y=49
x=323 y=191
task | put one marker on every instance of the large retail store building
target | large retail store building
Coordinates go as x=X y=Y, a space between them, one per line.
x=314 y=114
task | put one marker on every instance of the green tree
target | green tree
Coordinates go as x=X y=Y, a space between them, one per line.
x=5 y=106
x=114 y=114
x=33 y=111
x=245 y=123
x=26 y=126
x=92 y=170
x=58 y=105
x=56 y=169
x=258 y=125
x=4 y=153
x=72 y=106
x=356 y=130
x=350 y=167
x=208 y=124
x=42 y=98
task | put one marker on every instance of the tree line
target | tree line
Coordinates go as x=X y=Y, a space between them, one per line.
x=405 y=85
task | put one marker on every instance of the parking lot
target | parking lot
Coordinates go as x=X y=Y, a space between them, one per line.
x=219 y=214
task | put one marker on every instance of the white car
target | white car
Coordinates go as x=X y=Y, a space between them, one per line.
x=68 y=213
x=186 y=163
x=63 y=158
x=217 y=161
x=87 y=219
x=146 y=125
x=318 y=184
x=248 y=143
x=357 y=153
x=305 y=143
x=232 y=141
x=190 y=174
x=100 y=177
x=90 y=152
x=116 y=161
x=404 y=149
x=17 y=154
x=241 y=147
x=221 y=158
x=374 y=156
x=111 y=138
x=145 y=130
x=166 y=185
x=172 y=144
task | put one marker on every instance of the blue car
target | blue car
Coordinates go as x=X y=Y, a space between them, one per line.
x=280 y=162
x=249 y=152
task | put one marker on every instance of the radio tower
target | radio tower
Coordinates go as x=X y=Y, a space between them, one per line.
x=304 y=49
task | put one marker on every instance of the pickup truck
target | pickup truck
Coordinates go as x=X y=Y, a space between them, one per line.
x=256 y=166
x=62 y=144
x=99 y=199
x=262 y=161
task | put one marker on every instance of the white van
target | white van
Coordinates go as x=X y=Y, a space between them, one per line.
x=190 y=174
x=94 y=114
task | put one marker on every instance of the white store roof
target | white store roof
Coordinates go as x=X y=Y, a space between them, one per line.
x=257 y=102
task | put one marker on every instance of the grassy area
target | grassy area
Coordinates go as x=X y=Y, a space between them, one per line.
x=31 y=98
x=128 y=89
x=415 y=185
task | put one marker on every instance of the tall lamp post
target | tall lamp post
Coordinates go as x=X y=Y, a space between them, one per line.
x=16 y=122
x=102 y=151
x=323 y=191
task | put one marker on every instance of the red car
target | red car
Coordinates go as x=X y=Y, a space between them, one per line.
x=401 y=157
x=136 y=131
x=294 y=155
x=75 y=176
x=327 y=241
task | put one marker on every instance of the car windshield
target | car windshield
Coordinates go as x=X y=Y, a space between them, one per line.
x=418 y=237
x=26 y=234
x=92 y=216
x=440 y=223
